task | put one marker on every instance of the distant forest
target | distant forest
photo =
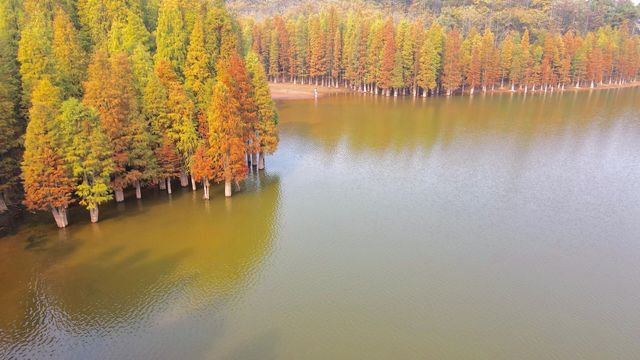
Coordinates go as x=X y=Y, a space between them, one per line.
x=499 y=15
x=368 y=50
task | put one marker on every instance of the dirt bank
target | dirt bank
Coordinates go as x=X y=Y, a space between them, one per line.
x=289 y=91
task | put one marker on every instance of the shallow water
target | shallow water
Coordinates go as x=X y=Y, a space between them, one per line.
x=493 y=227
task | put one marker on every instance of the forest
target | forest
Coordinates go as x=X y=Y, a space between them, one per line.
x=100 y=96
x=368 y=52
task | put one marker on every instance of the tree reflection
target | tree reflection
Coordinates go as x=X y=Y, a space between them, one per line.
x=159 y=266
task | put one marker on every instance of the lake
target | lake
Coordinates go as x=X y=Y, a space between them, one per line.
x=489 y=227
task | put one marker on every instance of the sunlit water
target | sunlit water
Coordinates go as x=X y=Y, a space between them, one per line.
x=492 y=227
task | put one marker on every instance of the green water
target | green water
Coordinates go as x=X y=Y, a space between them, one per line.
x=492 y=227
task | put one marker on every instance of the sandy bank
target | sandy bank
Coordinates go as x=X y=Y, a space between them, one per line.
x=289 y=91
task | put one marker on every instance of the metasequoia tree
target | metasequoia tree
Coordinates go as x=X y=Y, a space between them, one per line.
x=87 y=153
x=110 y=90
x=452 y=70
x=226 y=136
x=266 y=126
x=47 y=181
x=11 y=121
x=179 y=117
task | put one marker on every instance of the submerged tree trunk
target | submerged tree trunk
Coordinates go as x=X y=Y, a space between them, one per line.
x=163 y=185
x=93 y=213
x=227 y=188
x=138 y=191
x=168 y=185
x=205 y=186
x=261 y=161
x=59 y=216
x=119 y=194
x=254 y=159
x=184 y=180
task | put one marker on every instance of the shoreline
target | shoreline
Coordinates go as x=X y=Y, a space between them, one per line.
x=291 y=91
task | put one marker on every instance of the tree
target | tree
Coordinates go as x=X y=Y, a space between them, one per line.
x=179 y=115
x=128 y=33
x=142 y=166
x=196 y=70
x=34 y=50
x=110 y=90
x=11 y=126
x=267 y=124
x=474 y=70
x=274 y=57
x=226 y=137
x=95 y=19
x=68 y=55
x=317 y=50
x=169 y=162
x=46 y=178
x=452 y=72
x=171 y=35
x=526 y=60
x=236 y=78
x=388 y=56
x=506 y=58
x=490 y=59
x=547 y=66
x=87 y=152
x=203 y=166
x=10 y=144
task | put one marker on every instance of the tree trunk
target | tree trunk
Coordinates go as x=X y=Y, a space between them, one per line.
x=163 y=185
x=57 y=216
x=184 y=180
x=3 y=203
x=119 y=194
x=193 y=183
x=248 y=159
x=138 y=191
x=227 y=188
x=64 y=216
x=169 y=185
x=261 y=161
x=93 y=213
x=205 y=186
x=254 y=159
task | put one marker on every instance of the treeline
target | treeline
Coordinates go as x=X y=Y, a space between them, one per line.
x=559 y=15
x=126 y=94
x=367 y=53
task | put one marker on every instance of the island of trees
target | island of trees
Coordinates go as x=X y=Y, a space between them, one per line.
x=362 y=50
x=97 y=96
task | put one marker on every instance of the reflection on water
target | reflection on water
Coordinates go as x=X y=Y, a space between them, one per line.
x=486 y=227
x=165 y=265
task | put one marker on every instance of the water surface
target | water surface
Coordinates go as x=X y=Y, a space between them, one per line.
x=486 y=227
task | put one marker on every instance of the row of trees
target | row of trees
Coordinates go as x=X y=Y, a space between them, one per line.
x=560 y=15
x=382 y=56
x=117 y=95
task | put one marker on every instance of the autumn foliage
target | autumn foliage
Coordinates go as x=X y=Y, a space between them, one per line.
x=366 y=52
x=111 y=107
